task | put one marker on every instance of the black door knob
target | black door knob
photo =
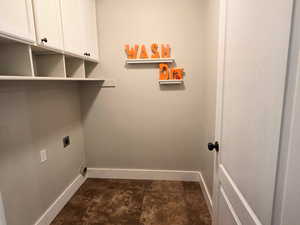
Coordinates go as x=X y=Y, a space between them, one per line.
x=212 y=146
x=44 y=40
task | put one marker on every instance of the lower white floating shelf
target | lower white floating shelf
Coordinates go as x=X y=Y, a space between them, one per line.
x=49 y=78
x=164 y=82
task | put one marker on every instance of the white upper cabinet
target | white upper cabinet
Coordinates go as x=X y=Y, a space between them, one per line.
x=16 y=19
x=90 y=28
x=48 y=23
x=72 y=21
x=66 y=25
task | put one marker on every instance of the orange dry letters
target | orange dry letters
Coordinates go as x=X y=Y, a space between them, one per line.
x=155 y=53
x=143 y=54
x=165 y=51
x=163 y=72
x=131 y=52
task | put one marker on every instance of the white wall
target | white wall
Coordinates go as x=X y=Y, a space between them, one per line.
x=139 y=124
x=35 y=116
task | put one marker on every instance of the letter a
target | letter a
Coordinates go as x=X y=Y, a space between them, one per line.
x=143 y=54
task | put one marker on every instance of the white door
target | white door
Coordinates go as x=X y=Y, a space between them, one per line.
x=90 y=28
x=48 y=23
x=72 y=16
x=254 y=41
x=16 y=19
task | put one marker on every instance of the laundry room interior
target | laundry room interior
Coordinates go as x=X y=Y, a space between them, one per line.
x=148 y=112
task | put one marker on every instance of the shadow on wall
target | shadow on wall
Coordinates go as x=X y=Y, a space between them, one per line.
x=91 y=92
x=141 y=66
x=45 y=99
x=172 y=87
x=147 y=66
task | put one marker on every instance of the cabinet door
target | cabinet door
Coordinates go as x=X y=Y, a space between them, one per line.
x=72 y=26
x=90 y=28
x=16 y=19
x=48 y=23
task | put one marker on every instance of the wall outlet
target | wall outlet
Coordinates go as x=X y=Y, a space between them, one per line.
x=66 y=141
x=83 y=170
x=43 y=154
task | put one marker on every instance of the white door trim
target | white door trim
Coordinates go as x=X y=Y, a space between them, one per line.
x=230 y=207
x=247 y=215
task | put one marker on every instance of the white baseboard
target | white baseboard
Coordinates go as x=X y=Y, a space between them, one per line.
x=206 y=193
x=60 y=202
x=140 y=174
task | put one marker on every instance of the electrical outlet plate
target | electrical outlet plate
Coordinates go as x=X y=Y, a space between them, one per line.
x=43 y=154
x=66 y=141
x=109 y=83
x=83 y=170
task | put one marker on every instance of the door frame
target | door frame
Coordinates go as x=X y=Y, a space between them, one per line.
x=219 y=101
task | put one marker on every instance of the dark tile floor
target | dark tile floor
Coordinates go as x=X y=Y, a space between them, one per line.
x=135 y=202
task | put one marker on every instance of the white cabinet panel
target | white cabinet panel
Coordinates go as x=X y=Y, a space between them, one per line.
x=48 y=23
x=16 y=19
x=72 y=26
x=90 y=28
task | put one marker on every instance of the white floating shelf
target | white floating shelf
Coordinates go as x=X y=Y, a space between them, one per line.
x=149 y=61
x=49 y=78
x=164 y=82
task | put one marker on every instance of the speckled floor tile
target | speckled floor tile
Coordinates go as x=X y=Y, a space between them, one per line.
x=164 y=208
x=197 y=210
x=115 y=207
x=165 y=186
x=192 y=187
x=74 y=211
x=135 y=202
